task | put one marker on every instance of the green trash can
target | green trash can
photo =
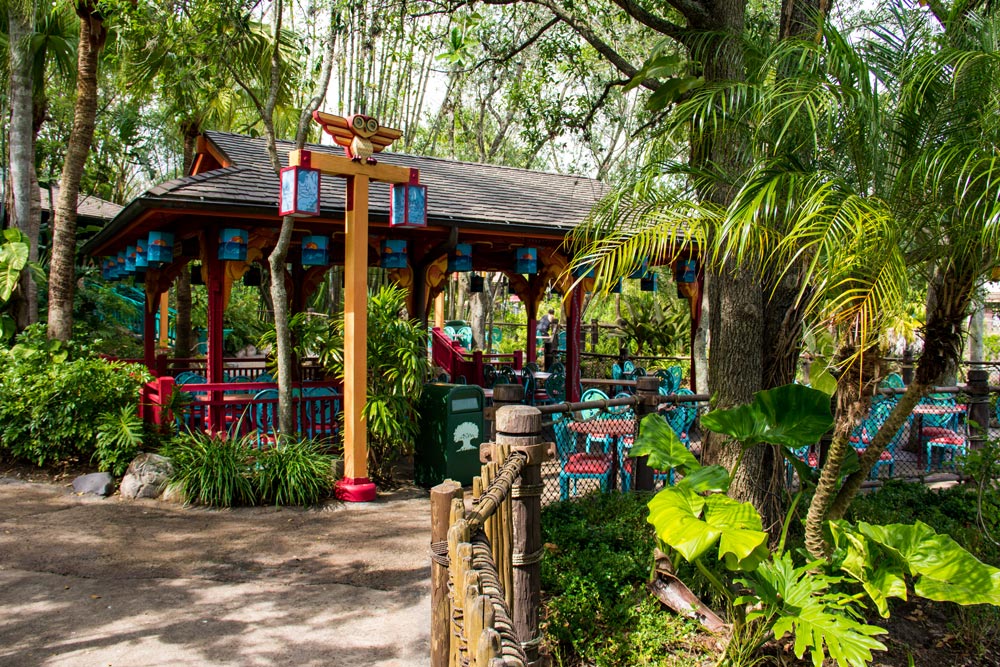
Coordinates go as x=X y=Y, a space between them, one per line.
x=451 y=430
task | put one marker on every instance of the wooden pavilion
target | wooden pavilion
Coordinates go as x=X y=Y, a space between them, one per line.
x=495 y=210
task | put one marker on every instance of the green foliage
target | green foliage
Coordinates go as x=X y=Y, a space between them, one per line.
x=791 y=415
x=593 y=577
x=655 y=324
x=225 y=472
x=52 y=394
x=802 y=602
x=119 y=437
x=294 y=472
x=209 y=470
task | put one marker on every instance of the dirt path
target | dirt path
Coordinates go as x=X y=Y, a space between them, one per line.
x=87 y=581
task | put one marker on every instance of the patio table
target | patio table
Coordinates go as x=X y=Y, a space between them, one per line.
x=918 y=413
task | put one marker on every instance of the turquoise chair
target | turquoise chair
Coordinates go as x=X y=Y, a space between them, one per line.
x=320 y=417
x=266 y=417
x=681 y=416
x=947 y=432
x=575 y=466
x=865 y=432
x=604 y=440
x=555 y=387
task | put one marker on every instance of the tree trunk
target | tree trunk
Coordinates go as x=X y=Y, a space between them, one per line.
x=23 y=179
x=62 y=271
x=183 y=338
x=478 y=319
x=977 y=324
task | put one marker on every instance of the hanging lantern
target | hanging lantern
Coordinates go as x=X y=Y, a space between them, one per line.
x=120 y=262
x=315 y=250
x=160 y=249
x=686 y=271
x=580 y=272
x=233 y=244
x=648 y=283
x=196 y=276
x=141 y=261
x=476 y=284
x=252 y=277
x=408 y=203
x=526 y=261
x=393 y=254
x=130 y=259
x=106 y=268
x=299 y=192
x=642 y=272
x=461 y=258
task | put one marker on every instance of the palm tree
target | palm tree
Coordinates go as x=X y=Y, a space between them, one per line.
x=62 y=271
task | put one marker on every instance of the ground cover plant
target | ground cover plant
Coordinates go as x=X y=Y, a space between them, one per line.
x=596 y=608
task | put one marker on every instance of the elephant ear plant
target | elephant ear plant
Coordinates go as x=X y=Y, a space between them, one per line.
x=819 y=603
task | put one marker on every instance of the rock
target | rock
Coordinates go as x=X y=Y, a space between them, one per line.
x=146 y=476
x=97 y=483
x=173 y=494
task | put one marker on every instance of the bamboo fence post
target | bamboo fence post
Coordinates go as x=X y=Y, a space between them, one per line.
x=647 y=389
x=504 y=394
x=459 y=554
x=489 y=648
x=519 y=427
x=441 y=500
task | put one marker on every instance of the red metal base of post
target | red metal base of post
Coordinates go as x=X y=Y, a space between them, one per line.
x=354 y=490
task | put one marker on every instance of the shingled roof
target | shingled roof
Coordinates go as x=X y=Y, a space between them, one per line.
x=462 y=194
x=88 y=206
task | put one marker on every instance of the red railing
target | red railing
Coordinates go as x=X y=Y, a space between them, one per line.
x=233 y=368
x=242 y=408
x=459 y=363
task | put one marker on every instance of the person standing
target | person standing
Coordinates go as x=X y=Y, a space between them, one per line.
x=544 y=327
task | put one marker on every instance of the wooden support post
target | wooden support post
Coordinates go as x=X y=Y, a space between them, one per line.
x=441 y=497
x=520 y=427
x=573 y=345
x=647 y=389
x=439 y=311
x=978 y=389
x=149 y=335
x=504 y=394
x=594 y=329
x=165 y=320
x=216 y=311
x=355 y=486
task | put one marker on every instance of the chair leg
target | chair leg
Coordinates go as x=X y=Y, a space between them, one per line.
x=563 y=487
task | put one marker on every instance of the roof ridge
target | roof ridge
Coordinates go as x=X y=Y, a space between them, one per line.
x=326 y=147
x=177 y=183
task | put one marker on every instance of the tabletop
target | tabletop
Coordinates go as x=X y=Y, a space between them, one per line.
x=604 y=426
x=938 y=409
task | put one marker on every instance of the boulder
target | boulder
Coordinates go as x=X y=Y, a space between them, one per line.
x=146 y=476
x=96 y=483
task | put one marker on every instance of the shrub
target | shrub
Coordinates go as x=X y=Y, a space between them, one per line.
x=211 y=471
x=293 y=473
x=119 y=436
x=52 y=394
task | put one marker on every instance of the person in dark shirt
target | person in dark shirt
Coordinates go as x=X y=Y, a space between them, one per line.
x=545 y=324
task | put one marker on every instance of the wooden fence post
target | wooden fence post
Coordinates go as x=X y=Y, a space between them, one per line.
x=441 y=497
x=503 y=394
x=648 y=391
x=520 y=427
x=978 y=389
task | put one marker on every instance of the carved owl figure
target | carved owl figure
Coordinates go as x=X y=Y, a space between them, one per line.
x=361 y=136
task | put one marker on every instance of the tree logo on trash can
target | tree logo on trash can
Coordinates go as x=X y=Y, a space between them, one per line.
x=465 y=434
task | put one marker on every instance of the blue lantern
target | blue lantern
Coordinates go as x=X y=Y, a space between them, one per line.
x=408 y=203
x=160 y=249
x=686 y=271
x=461 y=258
x=580 y=272
x=233 y=244
x=106 y=268
x=141 y=262
x=130 y=259
x=315 y=250
x=641 y=272
x=120 y=263
x=393 y=254
x=648 y=283
x=299 y=192
x=526 y=261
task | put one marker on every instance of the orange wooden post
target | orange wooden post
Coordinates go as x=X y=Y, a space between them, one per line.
x=439 y=311
x=356 y=486
x=165 y=320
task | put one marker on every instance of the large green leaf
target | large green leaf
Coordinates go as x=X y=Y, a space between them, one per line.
x=799 y=602
x=941 y=569
x=692 y=524
x=712 y=478
x=881 y=577
x=792 y=415
x=664 y=449
x=13 y=259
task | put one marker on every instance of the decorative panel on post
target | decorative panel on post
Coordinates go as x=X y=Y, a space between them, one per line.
x=461 y=258
x=160 y=249
x=393 y=254
x=299 y=192
x=315 y=250
x=233 y=244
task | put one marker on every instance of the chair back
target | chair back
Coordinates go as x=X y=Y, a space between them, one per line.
x=528 y=382
x=682 y=416
x=565 y=439
x=506 y=375
x=592 y=394
x=555 y=386
x=266 y=414
x=489 y=375
x=893 y=381
x=943 y=401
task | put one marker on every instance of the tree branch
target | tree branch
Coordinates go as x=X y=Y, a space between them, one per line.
x=658 y=23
